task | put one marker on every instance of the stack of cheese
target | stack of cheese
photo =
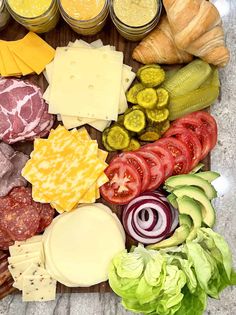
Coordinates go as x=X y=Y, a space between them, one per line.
x=25 y=56
x=66 y=169
x=80 y=245
x=87 y=84
x=26 y=265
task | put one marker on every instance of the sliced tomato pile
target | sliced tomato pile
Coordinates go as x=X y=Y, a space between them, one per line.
x=184 y=145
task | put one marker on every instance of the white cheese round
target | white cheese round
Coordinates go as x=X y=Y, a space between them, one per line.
x=80 y=245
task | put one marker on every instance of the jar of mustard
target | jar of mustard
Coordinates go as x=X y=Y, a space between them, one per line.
x=134 y=19
x=39 y=16
x=4 y=15
x=85 y=17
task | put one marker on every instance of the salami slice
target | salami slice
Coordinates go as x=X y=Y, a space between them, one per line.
x=22 y=195
x=20 y=221
x=5 y=240
x=46 y=213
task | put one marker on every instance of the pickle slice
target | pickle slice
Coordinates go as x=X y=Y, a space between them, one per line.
x=193 y=101
x=135 y=120
x=157 y=115
x=150 y=134
x=131 y=95
x=164 y=126
x=133 y=145
x=104 y=140
x=146 y=67
x=147 y=98
x=151 y=76
x=188 y=78
x=163 y=97
x=117 y=138
x=120 y=120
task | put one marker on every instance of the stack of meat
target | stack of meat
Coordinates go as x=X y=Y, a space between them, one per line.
x=21 y=217
x=23 y=112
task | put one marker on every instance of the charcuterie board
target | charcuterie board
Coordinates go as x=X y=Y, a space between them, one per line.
x=60 y=36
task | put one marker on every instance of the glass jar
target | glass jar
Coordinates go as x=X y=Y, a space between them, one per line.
x=4 y=15
x=132 y=25
x=81 y=19
x=38 y=17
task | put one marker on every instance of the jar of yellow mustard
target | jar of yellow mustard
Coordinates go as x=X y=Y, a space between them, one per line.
x=4 y=15
x=39 y=16
x=134 y=19
x=86 y=17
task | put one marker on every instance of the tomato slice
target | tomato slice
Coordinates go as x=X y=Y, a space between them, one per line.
x=139 y=163
x=124 y=183
x=180 y=153
x=166 y=157
x=190 y=139
x=156 y=168
x=209 y=122
x=193 y=123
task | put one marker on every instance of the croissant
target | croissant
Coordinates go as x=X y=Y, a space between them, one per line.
x=159 y=47
x=196 y=27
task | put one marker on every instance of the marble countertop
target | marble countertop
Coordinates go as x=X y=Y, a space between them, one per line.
x=223 y=160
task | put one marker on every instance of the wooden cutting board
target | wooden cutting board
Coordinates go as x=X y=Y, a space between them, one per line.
x=61 y=36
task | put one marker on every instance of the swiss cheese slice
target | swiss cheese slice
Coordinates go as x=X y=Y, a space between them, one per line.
x=98 y=95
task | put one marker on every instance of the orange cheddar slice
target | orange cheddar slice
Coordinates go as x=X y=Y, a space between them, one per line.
x=10 y=66
x=33 y=45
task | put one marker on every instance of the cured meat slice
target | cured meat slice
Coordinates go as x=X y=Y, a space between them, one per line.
x=11 y=165
x=46 y=213
x=22 y=109
x=6 y=149
x=20 y=221
x=5 y=240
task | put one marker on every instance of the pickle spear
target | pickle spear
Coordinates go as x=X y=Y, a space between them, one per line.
x=192 y=101
x=188 y=78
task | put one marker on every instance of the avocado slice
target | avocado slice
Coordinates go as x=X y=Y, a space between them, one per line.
x=208 y=212
x=197 y=168
x=179 y=236
x=191 y=180
x=185 y=219
x=172 y=200
x=189 y=206
x=208 y=175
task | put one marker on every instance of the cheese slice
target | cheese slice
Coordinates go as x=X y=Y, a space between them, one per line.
x=23 y=257
x=17 y=269
x=34 y=52
x=98 y=95
x=10 y=65
x=97 y=43
x=38 y=288
x=33 y=239
x=32 y=270
x=25 y=248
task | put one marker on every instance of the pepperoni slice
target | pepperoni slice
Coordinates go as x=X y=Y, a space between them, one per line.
x=46 y=214
x=5 y=240
x=20 y=221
